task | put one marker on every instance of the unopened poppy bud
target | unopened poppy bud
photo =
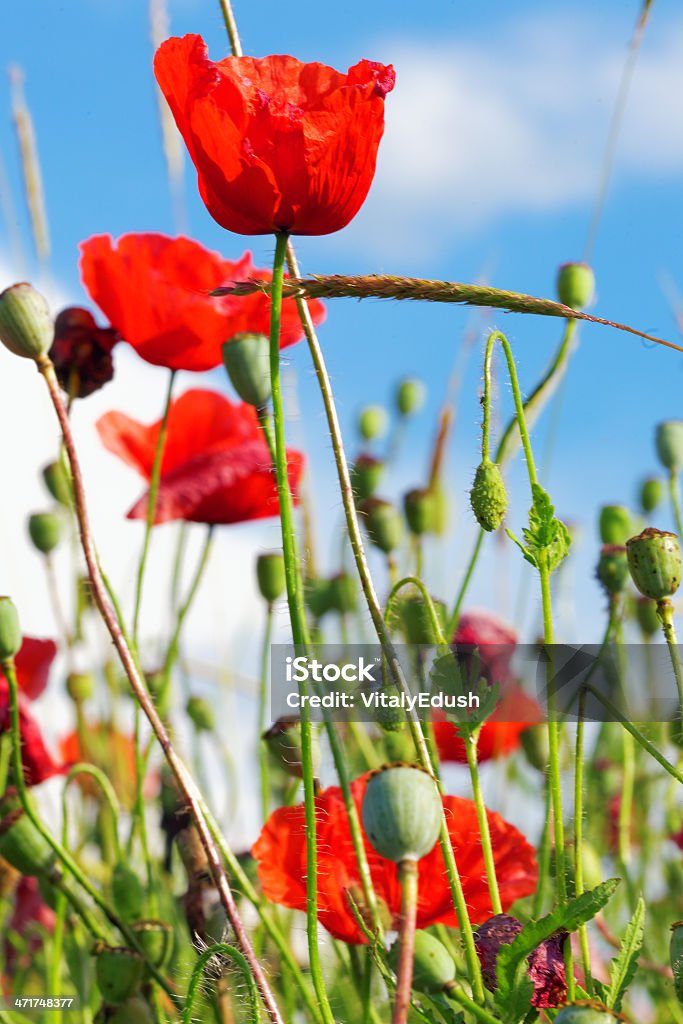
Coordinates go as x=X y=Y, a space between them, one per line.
x=372 y=422
x=587 y=1012
x=118 y=971
x=575 y=285
x=343 y=594
x=616 y=524
x=676 y=957
x=26 y=327
x=654 y=558
x=410 y=396
x=401 y=812
x=366 y=474
x=651 y=493
x=418 y=506
x=283 y=740
x=246 y=357
x=134 y=1010
x=433 y=965
x=646 y=614
x=156 y=940
x=612 y=570
x=534 y=742
x=57 y=481
x=201 y=714
x=45 y=530
x=318 y=597
x=128 y=894
x=80 y=686
x=383 y=524
x=416 y=622
x=488 y=496
x=23 y=846
x=10 y=630
x=669 y=444
x=270 y=574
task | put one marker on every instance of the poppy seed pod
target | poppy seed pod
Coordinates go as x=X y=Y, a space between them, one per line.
x=56 y=478
x=612 y=570
x=418 y=506
x=118 y=971
x=23 y=846
x=283 y=740
x=128 y=894
x=383 y=524
x=575 y=285
x=26 y=327
x=200 y=713
x=488 y=496
x=676 y=957
x=10 y=630
x=246 y=357
x=587 y=1012
x=410 y=396
x=654 y=558
x=80 y=686
x=45 y=531
x=343 y=594
x=651 y=493
x=401 y=812
x=134 y=1010
x=366 y=474
x=372 y=422
x=669 y=444
x=433 y=965
x=270 y=575
x=615 y=525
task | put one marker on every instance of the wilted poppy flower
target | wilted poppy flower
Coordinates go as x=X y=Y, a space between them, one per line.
x=500 y=733
x=216 y=466
x=32 y=665
x=81 y=352
x=155 y=292
x=38 y=763
x=281 y=854
x=278 y=145
x=546 y=964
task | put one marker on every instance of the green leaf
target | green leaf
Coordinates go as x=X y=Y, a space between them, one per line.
x=623 y=967
x=567 y=917
x=447 y=677
x=547 y=538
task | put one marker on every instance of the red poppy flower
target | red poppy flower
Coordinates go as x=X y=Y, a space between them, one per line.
x=281 y=854
x=155 y=292
x=546 y=967
x=499 y=735
x=493 y=640
x=38 y=763
x=278 y=145
x=81 y=352
x=32 y=664
x=216 y=466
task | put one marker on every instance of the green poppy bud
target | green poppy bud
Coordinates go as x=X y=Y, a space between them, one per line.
x=58 y=483
x=612 y=570
x=383 y=524
x=318 y=597
x=410 y=396
x=616 y=524
x=372 y=422
x=10 y=630
x=23 y=846
x=45 y=530
x=669 y=444
x=134 y=1010
x=156 y=940
x=534 y=742
x=283 y=740
x=418 y=506
x=401 y=812
x=651 y=493
x=366 y=474
x=587 y=1012
x=270 y=574
x=26 y=327
x=488 y=496
x=676 y=957
x=654 y=558
x=118 y=971
x=575 y=285
x=416 y=622
x=80 y=686
x=646 y=614
x=246 y=357
x=390 y=717
x=127 y=891
x=343 y=594
x=201 y=714
x=433 y=965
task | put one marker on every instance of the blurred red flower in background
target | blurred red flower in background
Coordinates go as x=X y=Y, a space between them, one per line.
x=31 y=918
x=278 y=145
x=216 y=466
x=32 y=664
x=155 y=292
x=281 y=854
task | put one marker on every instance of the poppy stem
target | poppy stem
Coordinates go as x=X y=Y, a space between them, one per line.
x=408 y=878
x=471 y=741
x=578 y=838
x=185 y=781
x=263 y=714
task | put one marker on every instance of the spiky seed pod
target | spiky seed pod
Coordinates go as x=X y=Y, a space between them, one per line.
x=488 y=496
x=654 y=558
x=401 y=812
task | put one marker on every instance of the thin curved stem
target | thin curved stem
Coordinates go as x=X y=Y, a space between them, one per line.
x=83 y=768
x=264 y=775
x=226 y=950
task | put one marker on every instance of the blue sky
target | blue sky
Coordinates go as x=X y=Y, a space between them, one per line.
x=490 y=163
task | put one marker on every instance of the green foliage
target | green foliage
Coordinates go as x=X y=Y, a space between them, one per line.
x=547 y=539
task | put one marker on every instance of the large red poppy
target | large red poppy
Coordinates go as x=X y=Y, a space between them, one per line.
x=278 y=145
x=216 y=466
x=500 y=733
x=32 y=665
x=281 y=854
x=155 y=292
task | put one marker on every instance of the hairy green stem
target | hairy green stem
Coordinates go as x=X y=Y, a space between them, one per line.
x=225 y=950
x=263 y=715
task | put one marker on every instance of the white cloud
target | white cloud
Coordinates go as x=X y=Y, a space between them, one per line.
x=516 y=123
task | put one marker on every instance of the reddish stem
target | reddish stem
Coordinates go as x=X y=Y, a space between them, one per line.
x=407 y=875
